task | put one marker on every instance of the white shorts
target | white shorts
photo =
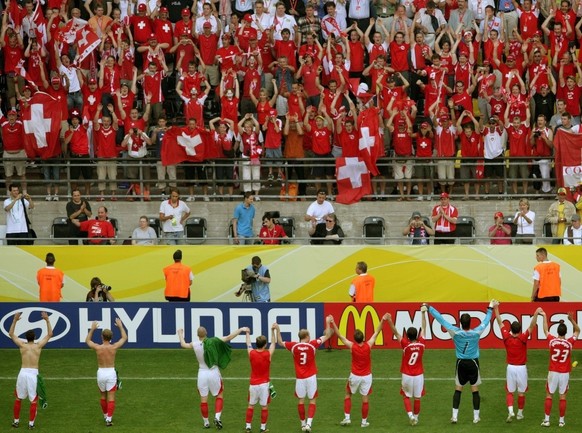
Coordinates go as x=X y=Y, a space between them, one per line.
x=209 y=381
x=259 y=394
x=306 y=387
x=26 y=383
x=557 y=381
x=403 y=169
x=363 y=384
x=412 y=386
x=107 y=379
x=516 y=378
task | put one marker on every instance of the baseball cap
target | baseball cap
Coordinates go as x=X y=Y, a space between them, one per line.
x=152 y=37
x=444 y=195
x=498 y=215
x=248 y=18
x=424 y=125
x=468 y=33
x=492 y=120
x=562 y=191
x=74 y=113
x=511 y=58
x=12 y=112
x=92 y=81
x=273 y=113
x=185 y=12
x=207 y=25
x=55 y=80
x=415 y=214
x=486 y=63
x=163 y=9
x=544 y=86
x=27 y=87
x=575 y=217
x=444 y=117
x=142 y=8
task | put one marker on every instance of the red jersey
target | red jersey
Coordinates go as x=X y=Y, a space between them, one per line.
x=163 y=31
x=571 y=97
x=97 y=229
x=79 y=144
x=229 y=108
x=260 y=366
x=518 y=141
x=12 y=135
x=287 y=49
x=471 y=146
x=192 y=81
x=515 y=346
x=12 y=56
x=272 y=137
x=528 y=23
x=412 y=352
x=90 y=101
x=349 y=142
x=361 y=359
x=111 y=79
x=141 y=28
x=423 y=147
x=126 y=103
x=497 y=107
x=130 y=123
x=252 y=82
x=399 y=56
x=540 y=148
x=273 y=236
x=105 y=146
x=152 y=84
x=402 y=143
x=309 y=75
x=208 y=46
x=321 y=141
x=445 y=140
x=463 y=73
x=443 y=225
x=356 y=56
x=304 y=357
x=561 y=353
x=226 y=56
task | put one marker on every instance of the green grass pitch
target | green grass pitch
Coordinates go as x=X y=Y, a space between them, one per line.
x=159 y=394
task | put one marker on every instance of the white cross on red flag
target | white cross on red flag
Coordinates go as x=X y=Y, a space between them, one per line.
x=353 y=180
x=87 y=40
x=182 y=144
x=40 y=24
x=42 y=123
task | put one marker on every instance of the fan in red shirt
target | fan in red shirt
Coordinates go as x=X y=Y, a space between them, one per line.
x=411 y=367
x=444 y=219
x=519 y=147
x=360 y=379
x=399 y=49
x=305 y=369
x=163 y=28
x=515 y=343
x=260 y=359
x=560 y=366
x=471 y=150
x=270 y=232
x=100 y=231
x=141 y=25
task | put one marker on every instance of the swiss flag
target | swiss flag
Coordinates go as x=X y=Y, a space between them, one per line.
x=87 y=40
x=40 y=24
x=370 y=142
x=68 y=33
x=42 y=123
x=353 y=180
x=182 y=144
x=15 y=13
x=20 y=70
x=568 y=157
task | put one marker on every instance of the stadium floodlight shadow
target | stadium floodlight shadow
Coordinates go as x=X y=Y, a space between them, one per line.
x=374 y=230
x=195 y=230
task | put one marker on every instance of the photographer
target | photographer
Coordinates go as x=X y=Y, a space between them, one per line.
x=417 y=230
x=260 y=281
x=99 y=292
x=500 y=233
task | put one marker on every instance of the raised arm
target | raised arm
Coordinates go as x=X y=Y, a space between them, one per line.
x=372 y=339
x=328 y=331
x=183 y=343
x=11 y=333
x=574 y=324
x=234 y=334
x=397 y=334
x=123 y=338
x=343 y=339
x=89 y=338
x=49 y=330
x=534 y=320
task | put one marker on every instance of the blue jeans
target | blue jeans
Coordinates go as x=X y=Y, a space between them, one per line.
x=174 y=238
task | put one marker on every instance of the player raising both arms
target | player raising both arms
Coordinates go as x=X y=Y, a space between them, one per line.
x=560 y=366
x=515 y=343
x=305 y=369
x=211 y=353
x=106 y=374
x=260 y=359
x=26 y=384
x=412 y=342
x=360 y=379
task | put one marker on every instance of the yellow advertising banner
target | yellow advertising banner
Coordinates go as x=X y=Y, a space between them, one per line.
x=299 y=272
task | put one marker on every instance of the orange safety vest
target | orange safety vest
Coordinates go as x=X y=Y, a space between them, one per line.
x=50 y=282
x=177 y=280
x=364 y=285
x=550 y=280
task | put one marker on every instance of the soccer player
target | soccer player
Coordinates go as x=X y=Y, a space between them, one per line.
x=260 y=359
x=28 y=376
x=305 y=369
x=412 y=342
x=211 y=353
x=515 y=343
x=560 y=366
x=107 y=374
x=360 y=379
x=467 y=350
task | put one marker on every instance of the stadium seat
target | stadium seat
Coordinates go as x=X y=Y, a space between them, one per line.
x=60 y=230
x=465 y=230
x=509 y=221
x=115 y=225
x=373 y=230
x=288 y=224
x=155 y=224
x=427 y=221
x=547 y=232
x=195 y=230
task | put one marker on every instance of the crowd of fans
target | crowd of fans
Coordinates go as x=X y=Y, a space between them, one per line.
x=415 y=81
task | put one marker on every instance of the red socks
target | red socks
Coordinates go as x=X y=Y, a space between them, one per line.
x=416 y=406
x=249 y=417
x=520 y=401
x=365 y=410
x=347 y=405
x=32 y=412
x=301 y=410
x=218 y=405
x=509 y=399
x=17 y=404
x=548 y=406
x=110 y=408
x=311 y=411
x=264 y=416
x=204 y=410
x=562 y=408
x=407 y=405
x=103 y=406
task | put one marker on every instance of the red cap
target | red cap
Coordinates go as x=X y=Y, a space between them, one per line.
x=486 y=63
x=207 y=25
x=248 y=18
x=273 y=113
x=498 y=215
x=163 y=9
x=74 y=113
x=92 y=81
x=185 y=12
x=142 y=8
x=27 y=87
x=444 y=195
x=152 y=37
x=544 y=86
x=13 y=112
x=444 y=117
x=55 y=80
x=424 y=125
x=511 y=58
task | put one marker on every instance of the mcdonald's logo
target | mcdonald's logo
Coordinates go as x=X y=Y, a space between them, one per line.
x=360 y=321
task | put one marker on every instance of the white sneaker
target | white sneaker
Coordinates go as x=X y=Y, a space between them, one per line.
x=545 y=423
x=55 y=197
x=561 y=423
x=307 y=428
x=48 y=198
x=365 y=424
x=519 y=416
x=420 y=198
x=346 y=421
x=412 y=420
x=190 y=198
x=476 y=420
x=510 y=417
x=453 y=420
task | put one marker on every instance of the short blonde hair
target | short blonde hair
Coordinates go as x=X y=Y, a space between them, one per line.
x=525 y=201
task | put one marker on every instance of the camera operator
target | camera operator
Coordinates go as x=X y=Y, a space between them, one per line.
x=99 y=292
x=261 y=280
x=417 y=230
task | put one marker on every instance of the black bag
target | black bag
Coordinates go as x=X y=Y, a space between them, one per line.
x=31 y=232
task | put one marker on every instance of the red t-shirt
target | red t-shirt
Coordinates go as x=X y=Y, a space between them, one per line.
x=272 y=237
x=471 y=146
x=105 y=146
x=402 y=143
x=287 y=49
x=229 y=108
x=12 y=135
x=515 y=346
x=399 y=56
x=304 y=357
x=361 y=359
x=412 y=356
x=571 y=97
x=518 y=141
x=561 y=353
x=141 y=28
x=321 y=141
x=260 y=366
x=97 y=229
x=423 y=147
x=443 y=225
x=208 y=46
x=356 y=56
x=349 y=142
x=79 y=144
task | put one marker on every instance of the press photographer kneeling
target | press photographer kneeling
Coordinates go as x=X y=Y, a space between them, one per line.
x=99 y=292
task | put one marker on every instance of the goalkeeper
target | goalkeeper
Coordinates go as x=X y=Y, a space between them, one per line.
x=467 y=350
